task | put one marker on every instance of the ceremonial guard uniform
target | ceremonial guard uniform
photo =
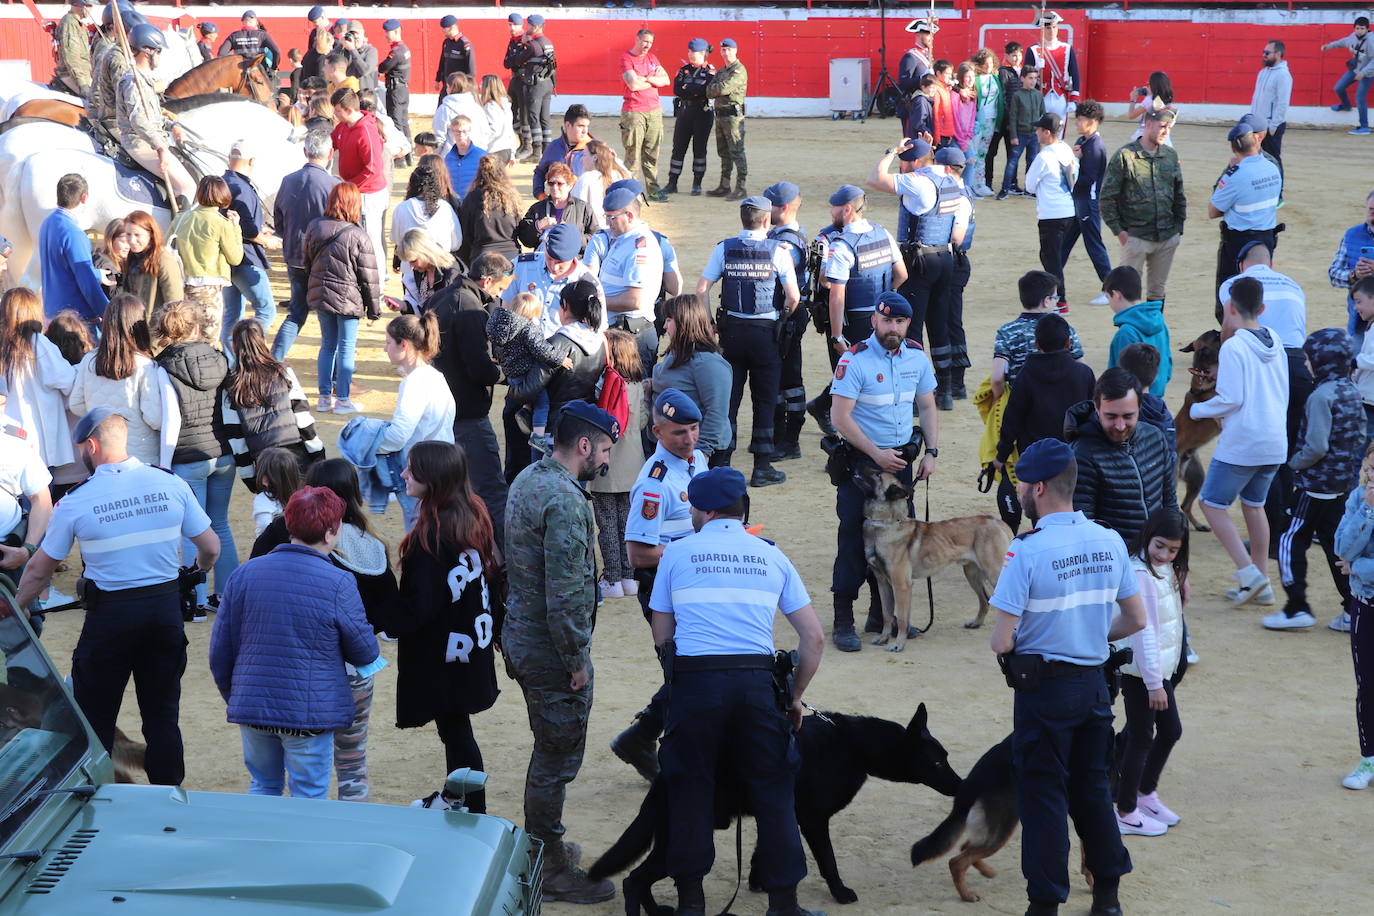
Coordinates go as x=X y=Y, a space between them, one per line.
x=456 y=56
x=752 y=269
x=714 y=603
x=728 y=88
x=1058 y=66
x=791 y=410
x=208 y=31
x=914 y=65
x=130 y=519
x=532 y=274
x=1061 y=582
x=73 y=71
x=1247 y=196
x=693 y=119
x=633 y=259
x=395 y=70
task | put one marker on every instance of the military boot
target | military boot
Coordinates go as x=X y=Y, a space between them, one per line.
x=957 y=389
x=739 y=193
x=721 y=189
x=765 y=475
x=842 y=633
x=523 y=153
x=822 y=417
x=671 y=186
x=566 y=883
x=696 y=183
x=784 y=903
x=943 y=399
x=638 y=746
x=789 y=427
x=691 y=898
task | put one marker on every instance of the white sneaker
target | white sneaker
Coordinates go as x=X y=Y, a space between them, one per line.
x=1100 y=300
x=1156 y=809
x=1281 y=621
x=1340 y=624
x=630 y=587
x=325 y=404
x=1361 y=776
x=1248 y=588
x=1193 y=658
x=611 y=589
x=344 y=406
x=1138 y=823
x=984 y=191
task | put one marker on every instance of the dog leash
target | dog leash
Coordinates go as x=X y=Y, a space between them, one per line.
x=930 y=584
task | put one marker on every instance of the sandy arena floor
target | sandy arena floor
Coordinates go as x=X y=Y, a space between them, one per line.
x=1269 y=731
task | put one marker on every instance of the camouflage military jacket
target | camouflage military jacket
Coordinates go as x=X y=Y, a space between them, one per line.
x=73 y=53
x=729 y=85
x=140 y=119
x=550 y=564
x=1142 y=193
x=110 y=65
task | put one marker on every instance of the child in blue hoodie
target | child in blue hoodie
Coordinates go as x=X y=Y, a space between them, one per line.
x=1137 y=322
x=1355 y=547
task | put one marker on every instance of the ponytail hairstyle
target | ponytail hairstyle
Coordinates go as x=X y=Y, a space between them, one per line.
x=421 y=331
x=450 y=512
x=124 y=337
x=1169 y=523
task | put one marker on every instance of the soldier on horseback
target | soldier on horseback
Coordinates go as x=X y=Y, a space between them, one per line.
x=108 y=65
x=143 y=130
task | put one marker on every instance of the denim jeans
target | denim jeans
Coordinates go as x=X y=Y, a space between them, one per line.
x=1361 y=93
x=1025 y=143
x=273 y=760
x=338 y=340
x=296 y=313
x=212 y=481
x=1088 y=224
x=246 y=281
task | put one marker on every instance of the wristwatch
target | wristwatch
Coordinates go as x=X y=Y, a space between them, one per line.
x=889 y=151
x=933 y=452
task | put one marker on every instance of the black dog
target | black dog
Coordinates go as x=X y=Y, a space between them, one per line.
x=838 y=755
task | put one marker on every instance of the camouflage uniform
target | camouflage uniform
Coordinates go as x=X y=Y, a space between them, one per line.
x=547 y=634
x=73 y=71
x=728 y=87
x=1142 y=195
x=350 y=744
x=109 y=66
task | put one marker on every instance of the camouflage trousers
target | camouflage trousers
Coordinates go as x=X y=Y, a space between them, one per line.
x=641 y=133
x=558 y=719
x=350 y=744
x=730 y=147
x=209 y=305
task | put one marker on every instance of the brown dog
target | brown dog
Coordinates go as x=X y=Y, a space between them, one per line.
x=1194 y=434
x=902 y=550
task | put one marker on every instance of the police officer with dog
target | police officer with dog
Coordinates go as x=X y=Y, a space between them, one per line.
x=714 y=603
x=1055 y=601
x=876 y=383
x=753 y=269
x=1245 y=199
x=659 y=514
x=785 y=198
x=130 y=519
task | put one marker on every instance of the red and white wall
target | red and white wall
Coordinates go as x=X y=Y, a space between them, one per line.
x=1211 y=55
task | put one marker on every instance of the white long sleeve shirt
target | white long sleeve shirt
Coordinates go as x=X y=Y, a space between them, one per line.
x=1051 y=178
x=424 y=410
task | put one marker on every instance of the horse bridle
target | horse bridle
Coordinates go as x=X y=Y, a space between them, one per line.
x=246 y=82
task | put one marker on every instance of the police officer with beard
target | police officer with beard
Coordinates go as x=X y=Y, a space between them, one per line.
x=714 y=602
x=1055 y=601
x=692 y=115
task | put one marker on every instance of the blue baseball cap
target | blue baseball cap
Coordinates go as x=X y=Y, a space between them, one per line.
x=893 y=305
x=248 y=14
x=949 y=155
x=1045 y=458
x=1242 y=128
x=601 y=419
x=515 y=19
x=698 y=44
x=618 y=199
x=918 y=151
x=782 y=193
x=846 y=194
x=1257 y=122
x=634 y=186
x=716 y=489
x=535 y=20
x=563 y=242
x=677 y=407
x=756 y=203
x=87 y=424
x=447 y=21
x=728 y=43
x=391 y=25
x=315 y=15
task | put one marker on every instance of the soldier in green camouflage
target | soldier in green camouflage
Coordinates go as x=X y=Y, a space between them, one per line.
x=547 y=634
x=73 y=71
x=108 y=66
x=728 y=88
x=1143 y=203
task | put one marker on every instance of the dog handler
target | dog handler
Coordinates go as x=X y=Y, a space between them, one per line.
x=1054 y=601
x=876 y=382
x=713 y=603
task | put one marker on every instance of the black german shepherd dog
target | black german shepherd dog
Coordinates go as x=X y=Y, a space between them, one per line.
x=838 y=754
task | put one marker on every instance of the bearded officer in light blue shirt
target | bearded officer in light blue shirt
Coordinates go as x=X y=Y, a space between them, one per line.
x=715 y=599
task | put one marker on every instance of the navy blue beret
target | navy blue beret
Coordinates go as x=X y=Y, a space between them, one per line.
x=316 y=13
x=698 y=44
x=677 y=407
x=87 y=424
x=1256 y=121
x=618 y=199
x=846 y=194
x=391 y=25
x=782 y=193
x=716 y=489
x=756 y=203
x=208 y=28
x=601 y=419
x=448 y=21
x=515 y=19
x=635 y=187
x=728 y=43
x=893 y=305
x=535 y=20
x=563 y=242
x=1242 y=128
x=248 y=14
x=1044 y=459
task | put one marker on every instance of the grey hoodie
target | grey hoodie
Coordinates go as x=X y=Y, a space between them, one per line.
x=1273 y=89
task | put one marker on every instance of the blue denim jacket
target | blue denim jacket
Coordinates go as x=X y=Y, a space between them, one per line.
x=378 y=475
x=1355 y=543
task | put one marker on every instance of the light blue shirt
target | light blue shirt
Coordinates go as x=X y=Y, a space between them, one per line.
x=723 y=586
x=532 y=276
x=1063 y=580
x=659 y=511
x=839 y=257
x=1248 y=194
x=634 y=260
x=596 y=249
x=670 y=264
x=782 y=263
x=130 y=519
x=883 y=387
x=1285 y=304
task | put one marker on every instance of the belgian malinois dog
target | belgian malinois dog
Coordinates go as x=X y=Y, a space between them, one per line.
x=902 y=550
x=1194 y=434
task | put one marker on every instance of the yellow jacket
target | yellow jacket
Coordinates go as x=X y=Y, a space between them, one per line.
x=208 y=243
x=991 y=409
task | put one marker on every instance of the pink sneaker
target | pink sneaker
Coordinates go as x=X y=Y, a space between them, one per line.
x=1138 y=823
x=1156 y=809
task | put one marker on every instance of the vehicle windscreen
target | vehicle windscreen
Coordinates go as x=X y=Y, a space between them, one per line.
x=41 y=736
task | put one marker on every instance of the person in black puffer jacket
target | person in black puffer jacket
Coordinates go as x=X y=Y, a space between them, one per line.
x=202 y=456
x=1125 y=468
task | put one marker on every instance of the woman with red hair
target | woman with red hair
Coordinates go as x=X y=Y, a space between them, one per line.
x=152 y=271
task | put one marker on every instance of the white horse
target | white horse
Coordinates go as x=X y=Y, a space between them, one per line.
x=33 y=156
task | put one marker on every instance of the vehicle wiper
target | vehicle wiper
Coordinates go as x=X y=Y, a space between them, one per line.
x=27 y=856
x=83 y=791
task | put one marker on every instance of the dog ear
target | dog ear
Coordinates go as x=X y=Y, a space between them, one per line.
x=918 y=721
x=1187 y=349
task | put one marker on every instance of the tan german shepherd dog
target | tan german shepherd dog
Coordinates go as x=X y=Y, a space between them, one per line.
x=902 y=550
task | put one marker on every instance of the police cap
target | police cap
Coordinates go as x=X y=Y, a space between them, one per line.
x=918 y=150
x=1250 y=246
x=1256 y=121
x=1160 y=114
x=248 y=14
x=315 y=15
x=847 y=193
x=1242 y=128
x=698 y=44
x=618 y=199
x=716 y=489
x=782 y=193
x=950 y=155
x=756 y=203
x=208 y=28
x=391 y=25
x=1049 y=122
x=453 y=20
x=601 y=419
x=728 y=43
x=893 y=305
x=535 y=21
x=87 y=424
x=635 y=187
x=1044 y=459
x=563 y=242
x=677 y=407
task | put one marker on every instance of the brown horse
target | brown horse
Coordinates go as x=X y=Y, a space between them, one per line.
x=239 y=75
x=51 y=110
